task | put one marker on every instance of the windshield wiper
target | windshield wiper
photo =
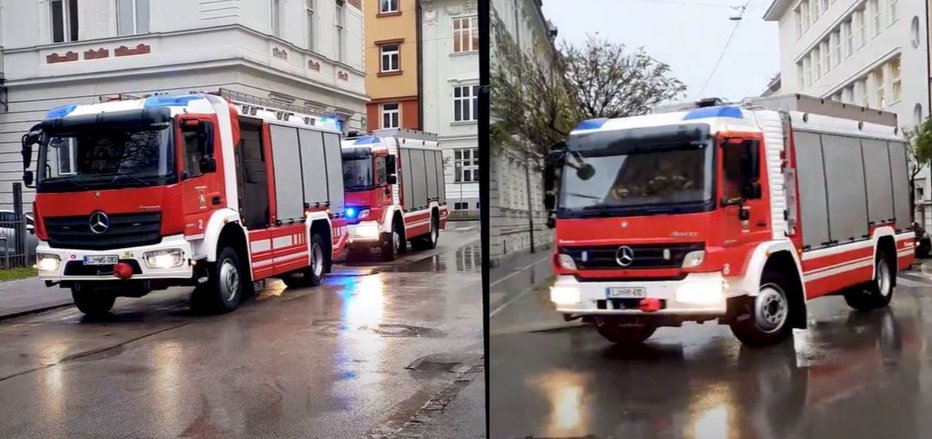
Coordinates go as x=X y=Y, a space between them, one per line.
x=583 y=196
x=117 y=177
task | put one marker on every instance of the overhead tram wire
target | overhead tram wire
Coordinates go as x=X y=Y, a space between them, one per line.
x=731 y=36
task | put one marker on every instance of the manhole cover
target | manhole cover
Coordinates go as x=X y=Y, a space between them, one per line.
x=392 y=330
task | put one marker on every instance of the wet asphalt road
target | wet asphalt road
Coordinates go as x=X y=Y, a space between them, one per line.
x=849 y=375
x=361 y=355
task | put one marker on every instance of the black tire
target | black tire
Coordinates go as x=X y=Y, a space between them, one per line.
x=312 y=275
x=394 y=243
x=765 y=320
x=922 y=248
x=428 y=241
x=92 y=301
x=878 y=292
x=624 y=335
x=224 y=289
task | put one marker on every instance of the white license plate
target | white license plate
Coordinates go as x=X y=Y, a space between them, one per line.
x=101 y=260
x=626 y=292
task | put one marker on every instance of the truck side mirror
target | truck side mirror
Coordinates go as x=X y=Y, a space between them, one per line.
x=554 y=161
x=390 y=166
x=205 y=134
x=28 y=178
x=585 y=172
x=392 y=179
x=29 y=139
x=208 y=164
x=751 y=191
x=750 y=166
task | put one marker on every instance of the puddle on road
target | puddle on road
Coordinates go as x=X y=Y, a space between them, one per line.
x=395 y=330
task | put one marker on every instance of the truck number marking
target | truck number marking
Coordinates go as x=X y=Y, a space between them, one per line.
x=200 y=224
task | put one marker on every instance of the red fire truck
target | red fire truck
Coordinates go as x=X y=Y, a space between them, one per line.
x=735 y=213
x=394 y=191
x=142 y=194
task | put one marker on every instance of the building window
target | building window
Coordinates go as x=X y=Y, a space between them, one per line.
x=861 y=92
x=466 y=165
x=824 y=6
x=390 y=58
x=465 y=34
x=797 y=15
x=848 y=37
x=804 y=8
x=877 y=84
x=892 y=11
x=311 y=34
x=460 y=206
x=807 y=70
x=826 y=57
x=465 y=103
x=861 y=26
x=896 y=82
x=339 y=29
x=391 y=116
x=64 y=20
x=801 y=75
x=836 y=47
x=815 y=10
x=816 y=65
x=877 y=16
x=275 y=17
x=388 y=6
x=848 y=96
x=132 y=17
x=917 y=115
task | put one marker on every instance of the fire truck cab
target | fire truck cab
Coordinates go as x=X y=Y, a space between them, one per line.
x=732 y=213
x=172 y=190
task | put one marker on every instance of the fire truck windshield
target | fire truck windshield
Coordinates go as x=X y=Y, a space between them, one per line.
x=637 y=177
x=357 y=173
x=95 y=158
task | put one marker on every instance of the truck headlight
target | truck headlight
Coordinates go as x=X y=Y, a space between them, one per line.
x=164 y=258
x=702 y=293
x=693 y=259
x=566 y=261
x=564 y=295
x=367 y=231
x=46 y=262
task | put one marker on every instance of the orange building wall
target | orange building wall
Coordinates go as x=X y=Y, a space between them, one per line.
x=409 y=114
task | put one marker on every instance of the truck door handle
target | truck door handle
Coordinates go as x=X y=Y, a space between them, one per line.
x=762 y=224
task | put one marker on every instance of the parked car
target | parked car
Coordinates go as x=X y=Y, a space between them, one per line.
x=8 y=228
x=923 y=242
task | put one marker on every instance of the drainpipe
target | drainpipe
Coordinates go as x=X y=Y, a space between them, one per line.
x=420 y=70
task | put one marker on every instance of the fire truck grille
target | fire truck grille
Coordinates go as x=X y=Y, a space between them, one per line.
x=617 y=257
x=125 y=230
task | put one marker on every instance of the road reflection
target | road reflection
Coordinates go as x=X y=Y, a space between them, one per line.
x=718 y=389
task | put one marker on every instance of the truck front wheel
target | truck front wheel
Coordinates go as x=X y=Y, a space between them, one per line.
x=625 y=335
x=764 y=320
x=224 y=289
x=91 y=300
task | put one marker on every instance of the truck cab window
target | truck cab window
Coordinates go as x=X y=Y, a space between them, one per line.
x=732 y=162
x=195 y=149
x=381 y=175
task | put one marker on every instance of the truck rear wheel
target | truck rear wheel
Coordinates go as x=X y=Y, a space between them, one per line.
x=764 y=320
x=223 y=291
x=92 y=301
x=625 y=335
x=428 y=241
x=312 y=275
x=876 y=293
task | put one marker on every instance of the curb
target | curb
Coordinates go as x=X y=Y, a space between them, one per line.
x=24 y=312
x=539 y=327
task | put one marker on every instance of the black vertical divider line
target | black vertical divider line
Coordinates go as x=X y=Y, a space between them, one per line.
x=484 y=168
x=301 y=170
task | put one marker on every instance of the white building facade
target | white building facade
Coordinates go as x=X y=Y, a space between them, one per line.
x=450 y=95
x=306 y=53
x=870 y=53
x=517 y=218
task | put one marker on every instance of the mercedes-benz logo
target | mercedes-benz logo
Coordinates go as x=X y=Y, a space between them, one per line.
x=624 y=256
x=99 y=222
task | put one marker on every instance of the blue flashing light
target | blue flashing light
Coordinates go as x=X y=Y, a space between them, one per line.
x=170 y=101
x=702 y=113
x=351 y=212
x=61 y=111
x=367 y=140
x=592 y=124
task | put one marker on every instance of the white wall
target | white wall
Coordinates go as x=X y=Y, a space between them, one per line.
x=441 y=71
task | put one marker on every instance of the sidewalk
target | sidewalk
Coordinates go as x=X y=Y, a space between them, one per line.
x=23 y=296
x=516 y=273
